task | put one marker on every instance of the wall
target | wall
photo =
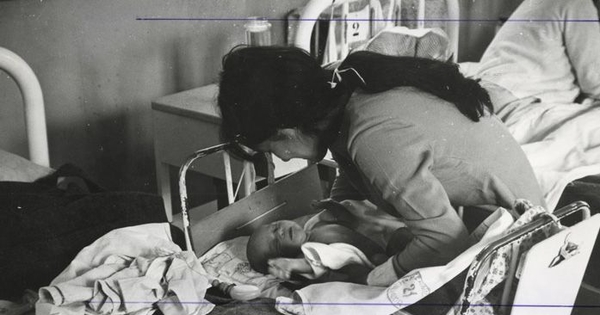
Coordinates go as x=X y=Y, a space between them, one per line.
x=100 y=68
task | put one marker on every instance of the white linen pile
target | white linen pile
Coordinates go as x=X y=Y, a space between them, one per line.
x=133 y=270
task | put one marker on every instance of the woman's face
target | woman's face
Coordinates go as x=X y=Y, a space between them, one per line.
x=291 y=144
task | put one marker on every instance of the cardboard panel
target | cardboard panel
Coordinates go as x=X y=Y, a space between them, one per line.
x=287 y=198
x=549 y=285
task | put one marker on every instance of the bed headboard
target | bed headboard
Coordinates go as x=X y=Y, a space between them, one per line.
x=287 y=198
x=447 y=11
x=33 y=100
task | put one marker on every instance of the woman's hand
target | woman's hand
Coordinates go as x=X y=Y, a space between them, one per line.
x=280 y=268
x=283 y=268
x=362 y=216
x=347 y=212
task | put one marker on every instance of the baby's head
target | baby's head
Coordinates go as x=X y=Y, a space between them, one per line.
x=278 y=239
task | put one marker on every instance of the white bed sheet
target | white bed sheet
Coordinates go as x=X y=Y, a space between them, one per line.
x=561 y=140
x=18 y=169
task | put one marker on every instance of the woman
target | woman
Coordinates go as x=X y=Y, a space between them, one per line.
x=413 y=136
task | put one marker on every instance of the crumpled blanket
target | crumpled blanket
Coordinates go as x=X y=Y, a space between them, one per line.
x=132 y=270
x=36 y=240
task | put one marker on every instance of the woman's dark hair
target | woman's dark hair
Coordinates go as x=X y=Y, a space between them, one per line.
x=263 y=89
x=442 y=79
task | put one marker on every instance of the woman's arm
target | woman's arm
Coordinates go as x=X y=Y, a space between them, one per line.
x=354 y=273
x=342 y=188
x=362 y=216
x=335 y=212
x=401 y=174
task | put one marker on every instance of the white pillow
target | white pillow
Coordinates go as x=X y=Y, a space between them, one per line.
x=430 y=43
x=18 y=169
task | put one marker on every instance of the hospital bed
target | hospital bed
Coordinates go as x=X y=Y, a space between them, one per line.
x=287 y=198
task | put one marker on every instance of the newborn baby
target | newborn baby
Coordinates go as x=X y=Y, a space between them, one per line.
x=325 y=246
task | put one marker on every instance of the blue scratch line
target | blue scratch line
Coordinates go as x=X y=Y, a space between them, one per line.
x=364 y=304
x=367 y=20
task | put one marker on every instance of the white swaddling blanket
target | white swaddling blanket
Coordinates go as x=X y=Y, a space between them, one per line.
x=324 y=257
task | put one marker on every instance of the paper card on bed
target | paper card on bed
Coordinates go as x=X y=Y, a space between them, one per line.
x=553 y=269
x=287 y=198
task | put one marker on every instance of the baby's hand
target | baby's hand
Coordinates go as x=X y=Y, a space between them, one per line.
x=281 y=268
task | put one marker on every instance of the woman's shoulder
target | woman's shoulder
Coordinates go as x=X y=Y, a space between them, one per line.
x=399 y=110
x=401 y=104
x=403 y=94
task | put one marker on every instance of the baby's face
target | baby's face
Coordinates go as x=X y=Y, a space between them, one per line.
x=281 y=238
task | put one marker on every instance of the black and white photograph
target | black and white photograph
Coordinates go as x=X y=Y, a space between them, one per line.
x=300 y=157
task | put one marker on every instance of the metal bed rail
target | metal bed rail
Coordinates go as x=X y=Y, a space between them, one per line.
x=247 y=181
x=33 y=100
x=312 y=11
